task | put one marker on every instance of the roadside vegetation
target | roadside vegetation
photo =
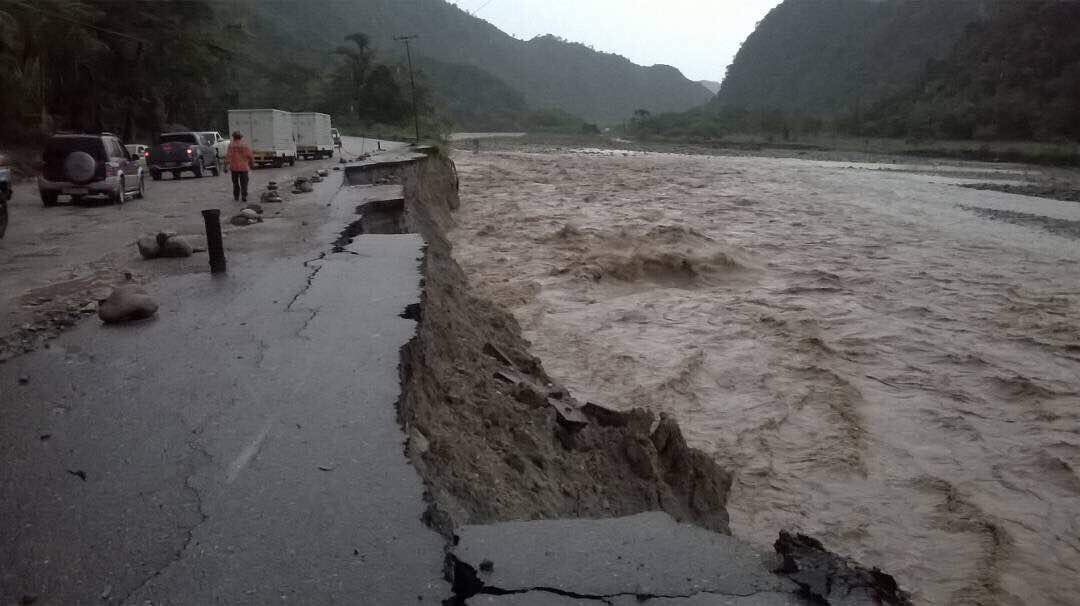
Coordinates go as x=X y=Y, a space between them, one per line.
x=176 y=66
x=72 y=65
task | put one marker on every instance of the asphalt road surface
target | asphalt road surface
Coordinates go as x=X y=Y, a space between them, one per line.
x=56 y=259
x=239 y=448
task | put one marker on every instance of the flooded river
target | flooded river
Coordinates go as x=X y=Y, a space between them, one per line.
x=881 y=361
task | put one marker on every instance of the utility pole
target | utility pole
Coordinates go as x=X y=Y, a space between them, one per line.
x=412 y=81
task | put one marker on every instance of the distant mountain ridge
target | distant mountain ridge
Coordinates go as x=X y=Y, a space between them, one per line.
x=547 y=71
x=833 y=56
x=712 y=85
x=912 y=69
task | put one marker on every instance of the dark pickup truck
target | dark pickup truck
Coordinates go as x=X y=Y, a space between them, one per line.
x=179 y=152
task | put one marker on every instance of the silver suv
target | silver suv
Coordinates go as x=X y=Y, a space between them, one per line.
x=89 y=165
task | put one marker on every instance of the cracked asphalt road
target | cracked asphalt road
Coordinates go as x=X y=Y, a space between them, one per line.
x=239 y=448
x=53 y=260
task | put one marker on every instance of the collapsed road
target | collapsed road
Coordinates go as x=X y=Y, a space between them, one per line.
x=253 y=443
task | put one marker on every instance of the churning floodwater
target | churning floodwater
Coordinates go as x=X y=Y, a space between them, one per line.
x=881 y=364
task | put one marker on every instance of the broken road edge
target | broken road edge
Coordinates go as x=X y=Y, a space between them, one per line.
x=495 y=439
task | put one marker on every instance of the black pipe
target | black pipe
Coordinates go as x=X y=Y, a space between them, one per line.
x=212 y=218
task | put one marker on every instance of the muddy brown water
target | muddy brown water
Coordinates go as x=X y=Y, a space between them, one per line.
x=881 y=366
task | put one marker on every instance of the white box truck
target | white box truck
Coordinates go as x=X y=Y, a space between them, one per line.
x=269 y=132
x=314 y=138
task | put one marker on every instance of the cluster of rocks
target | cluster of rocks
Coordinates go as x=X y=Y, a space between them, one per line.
x=164 y=244
x=251 y=214
x=302 y=185
x=271 y=195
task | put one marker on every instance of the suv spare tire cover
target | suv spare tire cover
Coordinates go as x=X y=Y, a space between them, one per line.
x=80 y=167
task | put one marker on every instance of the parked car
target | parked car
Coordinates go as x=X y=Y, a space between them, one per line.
x=221 y=145
x=5 y=195
x=138 y=151
x=185 y=151
x=89 y=165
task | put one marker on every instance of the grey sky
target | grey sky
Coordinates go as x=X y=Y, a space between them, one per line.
x=700 y=37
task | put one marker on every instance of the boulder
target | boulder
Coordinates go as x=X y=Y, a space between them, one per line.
x=126 y=303
x=148 y=247
x=164 y=244
x=255 y=207
x=245 y=218
x=270 y=197
x=174 y=246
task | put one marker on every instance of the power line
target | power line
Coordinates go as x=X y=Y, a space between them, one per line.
x=81 y=23
x=482 y=7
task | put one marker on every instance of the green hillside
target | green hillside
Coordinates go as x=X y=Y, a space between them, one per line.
x=1013 y=75
x=549 y=72
x=914 y=69
x=72 y=64
x=831 y=56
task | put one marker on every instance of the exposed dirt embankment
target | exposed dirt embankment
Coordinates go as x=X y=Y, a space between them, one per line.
x=495 y=439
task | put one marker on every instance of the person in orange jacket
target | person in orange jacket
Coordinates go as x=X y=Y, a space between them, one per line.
x=241 y=160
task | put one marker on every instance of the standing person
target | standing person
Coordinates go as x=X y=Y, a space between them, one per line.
x=241 y=160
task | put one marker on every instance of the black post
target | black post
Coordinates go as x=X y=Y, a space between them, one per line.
x=412 y=82
x=212 y=219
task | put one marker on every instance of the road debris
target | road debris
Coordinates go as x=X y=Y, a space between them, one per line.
x=164 y=244
x=245 y=218
x=126 y=303
x=302 y=186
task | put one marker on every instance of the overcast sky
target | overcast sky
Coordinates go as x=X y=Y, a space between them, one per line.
x=700 y=37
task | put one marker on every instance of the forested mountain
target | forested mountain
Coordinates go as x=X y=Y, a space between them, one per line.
x=549 y=72
x=72 y=64
x=831 y=56
x=1014 y=74
x=916 y=69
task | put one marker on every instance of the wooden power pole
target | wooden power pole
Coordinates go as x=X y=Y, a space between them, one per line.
x=412 y=81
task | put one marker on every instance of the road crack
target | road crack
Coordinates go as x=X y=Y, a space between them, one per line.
x=307 y=286
x=466 y=583
x=189 y=531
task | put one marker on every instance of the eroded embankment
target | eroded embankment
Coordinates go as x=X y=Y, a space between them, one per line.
x=496 y=439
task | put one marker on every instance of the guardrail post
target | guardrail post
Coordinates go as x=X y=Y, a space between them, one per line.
x=212 y=219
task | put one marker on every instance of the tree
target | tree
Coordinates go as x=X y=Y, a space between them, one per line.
x=358 y=63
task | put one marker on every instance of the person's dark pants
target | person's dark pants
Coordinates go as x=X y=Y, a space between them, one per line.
x=239 y=185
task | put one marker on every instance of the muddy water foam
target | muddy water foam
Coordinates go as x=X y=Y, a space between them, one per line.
x=880 y=366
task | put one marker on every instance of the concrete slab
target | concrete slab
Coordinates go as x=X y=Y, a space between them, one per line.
x=649 y=554
x=240 y=448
